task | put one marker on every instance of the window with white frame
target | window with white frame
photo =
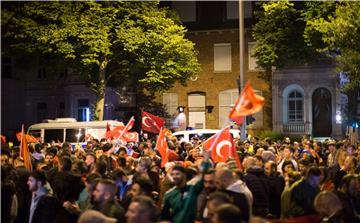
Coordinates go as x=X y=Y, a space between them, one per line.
x=170 y=100
x=227 y=99
x=295 y=107
x=252 y=60
x=222 y=57
x=196 y=104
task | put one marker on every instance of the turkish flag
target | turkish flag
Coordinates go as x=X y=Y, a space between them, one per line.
x=131 y=137
x=151 y=123
x=247 y=103
x=168 y=133
x=220 y=145
x=128 y=126
x=162 y=147
x=29 y=138
x=24 y=150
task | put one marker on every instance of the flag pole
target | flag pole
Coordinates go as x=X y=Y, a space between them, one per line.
x=123 y=131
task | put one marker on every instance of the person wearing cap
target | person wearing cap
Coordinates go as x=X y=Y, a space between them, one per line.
x=179 y=204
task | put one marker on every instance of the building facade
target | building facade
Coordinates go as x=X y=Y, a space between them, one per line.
x=209 y=96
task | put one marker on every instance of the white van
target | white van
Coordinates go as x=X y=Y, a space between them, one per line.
x=69 y=130
x=202 y=134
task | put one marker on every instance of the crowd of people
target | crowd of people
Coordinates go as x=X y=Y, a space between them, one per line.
x=282 y=181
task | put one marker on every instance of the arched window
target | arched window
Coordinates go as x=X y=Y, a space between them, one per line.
x=295 y=107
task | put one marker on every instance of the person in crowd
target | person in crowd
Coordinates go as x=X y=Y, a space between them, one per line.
x=331 y=158
x=348 y=167
x=227 y=213
x=104 y=200
x=209 y=187
x=330 y=208
x=304 y=192
x=288 y=156
x=142 y=209
x=44 y=207
x=236 y=189
x=140 y=186
x=348 y=193
x=179 y=204
x=276 y=187
x=258 y=183
x=90 y=160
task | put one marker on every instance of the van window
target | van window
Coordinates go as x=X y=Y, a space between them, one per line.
x=35 y=133
x=201 y=136
x=75 y=135
x=54 y=134
x=179 y=137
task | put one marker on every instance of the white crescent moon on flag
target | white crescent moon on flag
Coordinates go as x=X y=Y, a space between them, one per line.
x=131 y=135
x=144 y=121
x=220 y=145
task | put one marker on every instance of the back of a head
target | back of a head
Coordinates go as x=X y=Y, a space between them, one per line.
x=109 y=186
x=65 y=162
x=327 y=203
x=92 y=216
x=225 y=174
x=219 y=198
x=313 y=171
x=227 y=213
x=146 y=205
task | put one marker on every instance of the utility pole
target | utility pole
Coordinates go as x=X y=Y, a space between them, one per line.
x=241 y=57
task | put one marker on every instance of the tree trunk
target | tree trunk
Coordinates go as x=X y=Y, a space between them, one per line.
x=99 y=107
x=100 y=92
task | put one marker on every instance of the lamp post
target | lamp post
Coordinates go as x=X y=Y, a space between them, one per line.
x=241 y=57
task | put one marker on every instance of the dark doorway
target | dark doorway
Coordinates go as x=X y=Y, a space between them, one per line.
x=321 y=113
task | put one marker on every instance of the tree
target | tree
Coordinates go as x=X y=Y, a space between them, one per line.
x=302 y=32
x=108 y=43
x=340 y=33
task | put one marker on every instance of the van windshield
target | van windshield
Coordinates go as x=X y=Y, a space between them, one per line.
x=54 y=134
x=75 y=135
x=201 y=136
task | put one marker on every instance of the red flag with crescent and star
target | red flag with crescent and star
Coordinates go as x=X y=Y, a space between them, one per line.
x=247 y=103
x=151 y=123
x=162 y=147
x=220 y=145
x=131 y=137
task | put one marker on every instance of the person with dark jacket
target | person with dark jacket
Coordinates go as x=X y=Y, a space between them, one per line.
x=44 y=207
x=239 y=193
x=67 y=187
x=258 y=184
x=22 y=192
x=276 y=187
x=304 y=192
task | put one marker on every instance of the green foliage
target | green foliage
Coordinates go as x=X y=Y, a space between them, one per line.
x=273 y=135
x=301 y=32
x=341 y=37
x=109 y=43
x=279 y=34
